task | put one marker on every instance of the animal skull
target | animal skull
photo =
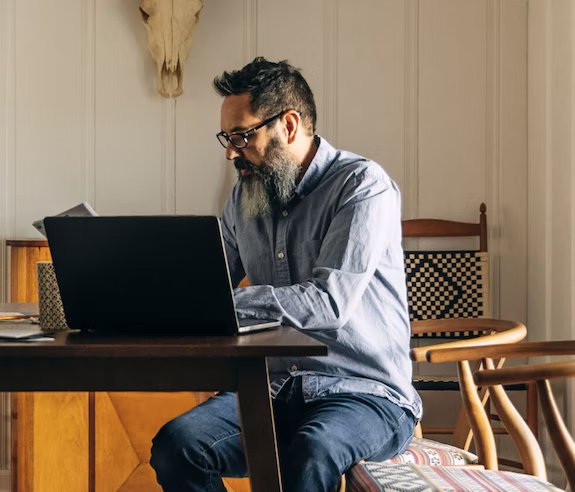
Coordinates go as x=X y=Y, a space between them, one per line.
x=170 y=24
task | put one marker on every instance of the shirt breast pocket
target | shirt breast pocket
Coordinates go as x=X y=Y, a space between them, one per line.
x=307 y=249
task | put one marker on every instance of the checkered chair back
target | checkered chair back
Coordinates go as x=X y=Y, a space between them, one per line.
x=447 y=284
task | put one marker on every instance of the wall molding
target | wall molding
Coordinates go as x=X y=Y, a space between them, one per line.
x=548 y=170
x=570 y=391
x=7 y=136
x=330 y=69
x=168 y=156
x=250 y=20
x=572 y=74
x=88 y=41
x=5 y=481
x=492 y=145
x=7 y=197
x=411 y=109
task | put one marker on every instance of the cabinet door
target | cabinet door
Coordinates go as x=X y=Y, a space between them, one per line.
x=125 y=424
x=75 y=442
x=50 y=442
x=23 y=258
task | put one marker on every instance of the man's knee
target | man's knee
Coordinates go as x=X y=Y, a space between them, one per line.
x=169 y=451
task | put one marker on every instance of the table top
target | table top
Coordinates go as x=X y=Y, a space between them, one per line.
x=279 y=342
x=21 y=243
x=276 y=342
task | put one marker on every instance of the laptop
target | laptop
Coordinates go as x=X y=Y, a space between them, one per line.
x=145 y=274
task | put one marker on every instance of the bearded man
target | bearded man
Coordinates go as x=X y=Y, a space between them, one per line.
x=317 y=232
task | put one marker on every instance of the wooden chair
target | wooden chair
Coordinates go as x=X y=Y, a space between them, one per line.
x=369 y=476
x=540 y=374
x=443 y=285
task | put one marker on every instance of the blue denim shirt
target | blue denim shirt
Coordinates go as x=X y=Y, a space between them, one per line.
x=330 y=264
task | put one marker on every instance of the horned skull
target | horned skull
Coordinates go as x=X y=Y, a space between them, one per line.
x=170 y=24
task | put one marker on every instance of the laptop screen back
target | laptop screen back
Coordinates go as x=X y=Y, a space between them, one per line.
x=160 y=274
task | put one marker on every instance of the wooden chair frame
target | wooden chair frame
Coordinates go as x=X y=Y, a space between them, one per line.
x=427 y=228
x=498 y=332
x=540 y=374
x=447 y=228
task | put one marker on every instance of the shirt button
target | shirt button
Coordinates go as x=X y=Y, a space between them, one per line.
x=281 y=255
x=285 y=213
x=293 y=368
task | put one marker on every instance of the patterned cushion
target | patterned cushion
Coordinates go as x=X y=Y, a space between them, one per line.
x=427 y=452
x=446 y=284
x=381 y=477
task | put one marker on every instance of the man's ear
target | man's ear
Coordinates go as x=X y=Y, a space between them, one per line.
x=292 y=122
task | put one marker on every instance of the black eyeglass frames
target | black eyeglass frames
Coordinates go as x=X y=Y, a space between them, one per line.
x=240 y=139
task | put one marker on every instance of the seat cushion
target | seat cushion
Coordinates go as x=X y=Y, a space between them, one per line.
x=385 y=477
x=428 y=452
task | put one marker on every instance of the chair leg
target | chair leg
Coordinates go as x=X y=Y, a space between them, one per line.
x=418 y=432
x=532 y=409
x=342 y=485
x=462 y=434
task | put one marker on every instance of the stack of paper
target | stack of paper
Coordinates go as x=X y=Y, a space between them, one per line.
x=83 y=209
x=21 y=327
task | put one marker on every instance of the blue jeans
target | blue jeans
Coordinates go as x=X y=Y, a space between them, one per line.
x=318 y=441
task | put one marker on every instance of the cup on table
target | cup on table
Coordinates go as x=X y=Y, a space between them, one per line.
x=51 y=310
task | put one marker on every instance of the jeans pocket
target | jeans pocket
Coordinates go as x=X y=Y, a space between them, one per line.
x=405 y=431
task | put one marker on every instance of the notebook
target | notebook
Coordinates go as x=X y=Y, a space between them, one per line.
x=145 y=274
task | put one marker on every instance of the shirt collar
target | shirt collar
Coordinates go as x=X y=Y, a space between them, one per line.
x=320 y=163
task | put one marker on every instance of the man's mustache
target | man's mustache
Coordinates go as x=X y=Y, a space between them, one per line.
x=240 y=163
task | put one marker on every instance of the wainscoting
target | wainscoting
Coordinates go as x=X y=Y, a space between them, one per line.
x=433 y=90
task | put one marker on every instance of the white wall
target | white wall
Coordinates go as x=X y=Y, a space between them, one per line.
x=434 y=90
x=551 y=176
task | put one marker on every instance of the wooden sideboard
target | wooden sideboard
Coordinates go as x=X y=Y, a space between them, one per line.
x=63 y=441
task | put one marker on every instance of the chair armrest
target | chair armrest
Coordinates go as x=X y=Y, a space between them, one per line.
x=523 y=374
x=506 y=332
x=527 y=349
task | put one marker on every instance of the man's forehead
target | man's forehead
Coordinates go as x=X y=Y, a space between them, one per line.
x=236 y=114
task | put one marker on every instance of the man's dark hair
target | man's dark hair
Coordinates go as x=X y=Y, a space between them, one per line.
x=273 y=87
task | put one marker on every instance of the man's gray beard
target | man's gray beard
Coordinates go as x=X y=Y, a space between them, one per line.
x=272 y=184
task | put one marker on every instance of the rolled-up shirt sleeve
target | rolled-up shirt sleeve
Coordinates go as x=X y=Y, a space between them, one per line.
x=364 y=222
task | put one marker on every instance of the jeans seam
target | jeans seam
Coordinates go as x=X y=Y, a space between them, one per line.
x=209 y=471
x=224 y=438
x=400 y=419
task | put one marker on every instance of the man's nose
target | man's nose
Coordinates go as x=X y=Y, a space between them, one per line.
x=232 y=152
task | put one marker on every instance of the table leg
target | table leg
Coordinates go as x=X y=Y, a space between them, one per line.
x=258 y=425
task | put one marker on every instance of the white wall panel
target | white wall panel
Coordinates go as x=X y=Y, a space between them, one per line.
x=296 y=31
x=48 y=105
x=551 y=185
x=452 y=91
x=7 y=115
x=507 y=188
x=372 y=83
x=204 y=178
x=130 y=117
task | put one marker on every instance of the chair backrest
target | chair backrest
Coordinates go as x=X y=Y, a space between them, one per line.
x=494 y=378
x=447 y=284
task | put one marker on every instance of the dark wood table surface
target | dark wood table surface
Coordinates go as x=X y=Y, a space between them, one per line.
x=79 y=362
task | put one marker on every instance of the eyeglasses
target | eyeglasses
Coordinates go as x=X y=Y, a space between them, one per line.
x=240 y=139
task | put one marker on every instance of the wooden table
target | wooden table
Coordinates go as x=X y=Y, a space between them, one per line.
x=78 y=362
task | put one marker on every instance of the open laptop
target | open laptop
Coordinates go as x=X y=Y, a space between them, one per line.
x=145 y=274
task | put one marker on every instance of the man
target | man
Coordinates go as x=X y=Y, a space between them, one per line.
x=317 y=232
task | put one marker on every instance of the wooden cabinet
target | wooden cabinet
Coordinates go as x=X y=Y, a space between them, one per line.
x=76 y=442
x=23 y=256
